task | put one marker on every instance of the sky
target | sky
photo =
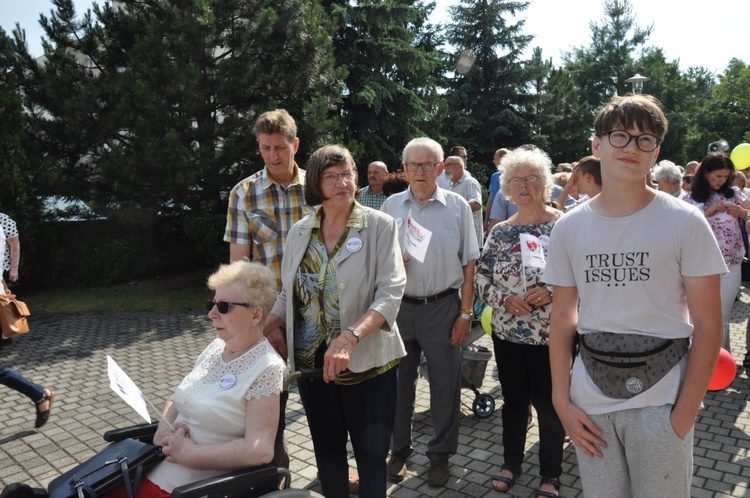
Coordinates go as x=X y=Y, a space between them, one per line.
x=707 y=35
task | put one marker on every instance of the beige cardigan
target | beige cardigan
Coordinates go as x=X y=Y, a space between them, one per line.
x=370 y=275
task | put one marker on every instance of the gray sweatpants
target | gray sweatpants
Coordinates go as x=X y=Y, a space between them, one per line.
x=644 y=457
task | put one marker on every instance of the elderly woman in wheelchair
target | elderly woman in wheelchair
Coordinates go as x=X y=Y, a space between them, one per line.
x=225 y=413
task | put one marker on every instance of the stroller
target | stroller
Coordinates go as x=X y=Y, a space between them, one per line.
x=473 y=367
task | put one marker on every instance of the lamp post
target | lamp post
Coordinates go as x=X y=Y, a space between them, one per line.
x=637 y=82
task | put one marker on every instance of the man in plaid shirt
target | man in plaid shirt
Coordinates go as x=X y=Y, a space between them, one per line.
x=373 y=195
x=264 y=206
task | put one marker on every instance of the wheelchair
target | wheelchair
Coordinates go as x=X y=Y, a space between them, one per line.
x=270 y=481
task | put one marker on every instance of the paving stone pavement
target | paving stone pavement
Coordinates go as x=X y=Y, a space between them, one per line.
x=68 y=354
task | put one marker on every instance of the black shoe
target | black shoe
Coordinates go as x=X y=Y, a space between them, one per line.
x=6 y=342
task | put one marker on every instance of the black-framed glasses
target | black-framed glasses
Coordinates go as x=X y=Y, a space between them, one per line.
x=428 y=166
x=332 y=178
x=620 y=139
x=223 y=306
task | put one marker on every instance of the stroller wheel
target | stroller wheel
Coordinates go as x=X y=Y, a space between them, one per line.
x=484 y=405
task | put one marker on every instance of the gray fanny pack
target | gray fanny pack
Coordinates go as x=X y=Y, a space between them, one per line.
x=625 y=365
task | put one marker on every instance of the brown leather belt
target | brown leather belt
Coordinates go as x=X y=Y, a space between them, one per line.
x=428 y=299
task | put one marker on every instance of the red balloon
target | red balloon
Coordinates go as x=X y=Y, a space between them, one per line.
x=726 y=371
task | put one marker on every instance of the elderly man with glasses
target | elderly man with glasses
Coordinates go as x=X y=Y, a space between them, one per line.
x=436 y=310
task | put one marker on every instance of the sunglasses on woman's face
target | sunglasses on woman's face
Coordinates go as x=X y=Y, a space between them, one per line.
x=223 y=306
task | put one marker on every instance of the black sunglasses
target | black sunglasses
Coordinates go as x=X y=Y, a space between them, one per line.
x=223 y=306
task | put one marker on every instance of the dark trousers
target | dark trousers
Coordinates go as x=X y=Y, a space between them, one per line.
x=365 y=413
x=15 y=380
x=524 y=372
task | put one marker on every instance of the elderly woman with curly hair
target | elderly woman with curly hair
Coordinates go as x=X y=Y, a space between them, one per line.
x=508 y=278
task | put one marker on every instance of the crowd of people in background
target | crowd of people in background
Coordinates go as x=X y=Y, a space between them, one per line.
x=372 y=281
x=434 y=195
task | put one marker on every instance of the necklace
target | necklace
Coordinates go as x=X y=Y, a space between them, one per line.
x=239 y=352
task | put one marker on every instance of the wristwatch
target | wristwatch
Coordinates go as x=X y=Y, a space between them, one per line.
x=747 y=214
x=356 y=333
x=467 y=316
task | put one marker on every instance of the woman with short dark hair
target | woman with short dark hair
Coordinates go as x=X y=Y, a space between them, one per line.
x=343 y=278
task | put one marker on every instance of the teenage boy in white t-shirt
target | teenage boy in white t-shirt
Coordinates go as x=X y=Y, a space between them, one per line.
x=642 y=263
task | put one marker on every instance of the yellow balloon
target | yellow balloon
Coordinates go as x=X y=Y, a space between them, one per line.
x=487 y=320
x=740 y=156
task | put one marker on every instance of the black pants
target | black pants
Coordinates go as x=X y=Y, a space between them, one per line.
x=365 y=413
x=525 y=377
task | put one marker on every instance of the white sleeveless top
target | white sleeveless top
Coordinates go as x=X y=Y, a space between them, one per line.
x=211 y=401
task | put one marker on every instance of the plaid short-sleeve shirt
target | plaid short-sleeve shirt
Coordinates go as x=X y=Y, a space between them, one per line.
x=10 y=229
x=260 y=214
x=370 y=199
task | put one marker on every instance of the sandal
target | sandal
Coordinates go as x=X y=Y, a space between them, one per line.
x=353 y=483
x=746 y=361
x=43 y=416
x=515 y=472
x=552 y=481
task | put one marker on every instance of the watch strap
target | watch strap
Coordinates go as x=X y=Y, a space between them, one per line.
x=355 y=332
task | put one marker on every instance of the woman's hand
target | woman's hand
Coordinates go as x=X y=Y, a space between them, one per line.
x=736 y=210
x=177 y=445
x=538 y=296
x=517 y=305
x=715 y=207
x=336 y=359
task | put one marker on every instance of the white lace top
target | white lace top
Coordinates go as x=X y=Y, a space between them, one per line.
x=211 y=402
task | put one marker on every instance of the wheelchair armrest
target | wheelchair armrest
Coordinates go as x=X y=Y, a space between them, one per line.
x=141 y=432
x=232 y=482
x=307 y=374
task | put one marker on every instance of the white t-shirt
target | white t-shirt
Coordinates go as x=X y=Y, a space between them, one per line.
x=211 y=402
x=629 y=275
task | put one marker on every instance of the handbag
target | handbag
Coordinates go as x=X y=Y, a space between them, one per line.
x=625 y=365
x=13 y=314
x=120 y=462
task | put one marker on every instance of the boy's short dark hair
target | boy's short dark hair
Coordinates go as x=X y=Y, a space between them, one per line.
x=320 y=160
x=276 y=121
x=590 y=165
x=631 y=111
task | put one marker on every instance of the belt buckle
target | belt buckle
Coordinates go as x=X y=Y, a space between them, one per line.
x=423 y=300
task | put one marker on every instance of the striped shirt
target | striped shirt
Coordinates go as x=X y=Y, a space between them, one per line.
x=261 y=212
